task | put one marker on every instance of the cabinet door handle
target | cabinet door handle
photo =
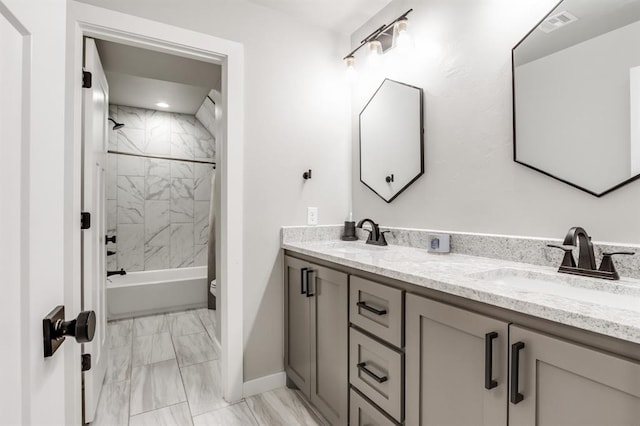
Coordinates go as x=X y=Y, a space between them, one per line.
x=302 y=278
x=308 y=273
x=515 y=396
x=366 y=307
x=362 y=366
x=489 y=383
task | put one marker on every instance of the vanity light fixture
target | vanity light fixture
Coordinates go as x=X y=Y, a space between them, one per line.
x=394 y=34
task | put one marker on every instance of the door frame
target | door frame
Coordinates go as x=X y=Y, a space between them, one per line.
x=86 y=20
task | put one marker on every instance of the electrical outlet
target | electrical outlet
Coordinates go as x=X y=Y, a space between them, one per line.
x=312 y=215
x=438 y=243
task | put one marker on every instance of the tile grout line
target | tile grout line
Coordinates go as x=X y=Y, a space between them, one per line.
x=152 y=363
x=157 y=409
x=133 y=325
x=184 y=388
x=207 y=333
x=253 y=414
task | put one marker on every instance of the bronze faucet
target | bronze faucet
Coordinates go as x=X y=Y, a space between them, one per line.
x=578 y=237
x=375 y=236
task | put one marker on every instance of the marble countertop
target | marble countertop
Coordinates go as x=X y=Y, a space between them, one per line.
x=610 y=308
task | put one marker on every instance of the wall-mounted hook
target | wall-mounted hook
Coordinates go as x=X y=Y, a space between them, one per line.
x=307 y=175
x=389 y=178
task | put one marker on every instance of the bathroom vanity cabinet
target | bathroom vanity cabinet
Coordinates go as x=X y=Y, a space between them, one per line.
x=316 y=327
x=385 y=352
x=481 y=363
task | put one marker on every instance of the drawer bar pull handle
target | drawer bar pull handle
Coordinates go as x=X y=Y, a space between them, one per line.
x=366 y=307
x=362 y=367
x=302 y=277
x=515 y=396
x=489 y=383
x=308 y=272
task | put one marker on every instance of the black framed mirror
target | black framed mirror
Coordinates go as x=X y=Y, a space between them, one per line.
x=392 y=139
x=576 y=95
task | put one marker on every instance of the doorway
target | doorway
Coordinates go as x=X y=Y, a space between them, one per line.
x=89 y=21
x=157 y=117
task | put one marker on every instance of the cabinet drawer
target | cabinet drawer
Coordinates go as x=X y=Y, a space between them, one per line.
x=377 y=371
x=363 y=413
x=377 y=308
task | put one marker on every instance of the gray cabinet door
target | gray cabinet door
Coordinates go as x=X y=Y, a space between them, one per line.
x=567 y=384
x=446 y=370
x=297 y=330
x=363 y=413
x=329 y=357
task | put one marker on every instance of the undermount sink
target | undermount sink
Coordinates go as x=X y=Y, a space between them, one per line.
x=356 y=249
x=620 y=295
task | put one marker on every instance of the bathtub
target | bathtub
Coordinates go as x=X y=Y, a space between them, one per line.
x=152 y=292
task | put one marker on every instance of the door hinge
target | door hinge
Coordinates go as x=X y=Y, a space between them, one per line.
x=85 y=220
x=86 y=79
x=86 y=362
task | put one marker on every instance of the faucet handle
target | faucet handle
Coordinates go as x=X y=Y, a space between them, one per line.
x=567 y=260
x=381 y=239
x=607 y=262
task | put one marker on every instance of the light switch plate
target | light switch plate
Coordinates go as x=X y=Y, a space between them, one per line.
x=438 y=243
x=312 y=215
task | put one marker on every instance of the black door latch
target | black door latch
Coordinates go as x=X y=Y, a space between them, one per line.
x=86 y=362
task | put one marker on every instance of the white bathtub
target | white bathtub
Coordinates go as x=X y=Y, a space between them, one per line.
x=152 y=292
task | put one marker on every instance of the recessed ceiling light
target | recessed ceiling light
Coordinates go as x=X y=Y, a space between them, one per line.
x=162 y=105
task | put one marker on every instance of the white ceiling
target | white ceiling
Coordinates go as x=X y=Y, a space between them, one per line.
x=130 y=90
x=142 y=78
x=342 y=16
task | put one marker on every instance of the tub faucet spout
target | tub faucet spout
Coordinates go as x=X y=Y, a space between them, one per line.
x=120 y=272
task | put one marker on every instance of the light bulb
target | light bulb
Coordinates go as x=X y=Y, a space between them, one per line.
x=350 y=61
x=375 y=53
x=401 y=36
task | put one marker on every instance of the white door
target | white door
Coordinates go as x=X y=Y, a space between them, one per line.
x=37 y=219
x=11 y=148
x=95 y=111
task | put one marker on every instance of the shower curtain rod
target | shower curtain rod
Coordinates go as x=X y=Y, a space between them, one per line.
x=157 y=157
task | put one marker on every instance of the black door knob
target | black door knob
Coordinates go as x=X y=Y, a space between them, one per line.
x=55 y=328
x=82 y=328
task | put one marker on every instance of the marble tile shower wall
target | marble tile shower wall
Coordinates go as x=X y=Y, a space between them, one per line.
x=159 y=209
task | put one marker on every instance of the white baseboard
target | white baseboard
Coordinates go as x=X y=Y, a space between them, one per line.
x=264 y=384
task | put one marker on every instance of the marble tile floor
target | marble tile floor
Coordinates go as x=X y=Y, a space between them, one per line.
x=165 y=370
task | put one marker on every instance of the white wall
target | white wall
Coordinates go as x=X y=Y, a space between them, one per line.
x=462 y=61
x=296 y=111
